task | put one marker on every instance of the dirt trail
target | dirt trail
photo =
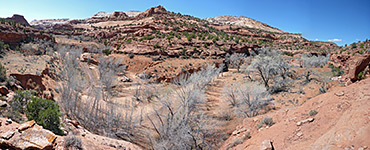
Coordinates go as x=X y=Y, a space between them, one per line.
x=214 y=92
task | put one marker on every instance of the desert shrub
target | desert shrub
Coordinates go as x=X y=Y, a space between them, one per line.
x=2 y=73
x=336 y=71
x=17 y=105
x=238 y=140
x=179 y=122
x=236 y=60
x=288 y=53
x=360 y=76
x=268 y=121
x=312 y=112
x=269 y=65
x=311 y=61
x=107 y=51
x=20 y=100
x=45 y=113
x=37 y=47
x=131 y=55
x=247 y=99
x=72 y=142
x=2 y=48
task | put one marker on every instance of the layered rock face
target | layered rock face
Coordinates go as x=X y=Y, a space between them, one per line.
x=28 y=136
x=244 y=22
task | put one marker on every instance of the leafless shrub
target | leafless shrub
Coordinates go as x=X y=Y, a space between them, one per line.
x=236 y=60
x=183 y=125
x=247 y=98
x=270 y=65
x=145 y=91
x=108 y=68
x=38 y=47
x=96 y=111
x=310 y=61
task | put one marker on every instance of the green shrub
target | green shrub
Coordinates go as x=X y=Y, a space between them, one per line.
x=45 y=113
x=2 y=73
x=17 y=105
x=312 y=113
x=107 y=52
x=21 y=99
x=360 y=76
x=131 y=55
x=288 y=53
x=336 y=71
x=2 y=47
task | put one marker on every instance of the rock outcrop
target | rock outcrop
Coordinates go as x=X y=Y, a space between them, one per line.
x=356 y=65
x=243 y=22
x=28 y=136
x=155 y=10
x=30 y=81
x=19 y=19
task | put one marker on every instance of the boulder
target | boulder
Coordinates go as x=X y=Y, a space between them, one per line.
x=8 y=121
x=75 y=123
x=267 y=145
x=356 y=65
x=124 y=79
x=305 y=121
x=7 y=135
x=32 y=136
x=4 y=90
x=3 y=104
x=89 y=58
x=26 y=125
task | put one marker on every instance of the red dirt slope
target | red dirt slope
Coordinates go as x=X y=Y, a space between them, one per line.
x=342 y=122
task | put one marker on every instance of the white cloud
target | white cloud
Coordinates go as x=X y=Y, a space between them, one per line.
x=335 y=40
x=316 y=39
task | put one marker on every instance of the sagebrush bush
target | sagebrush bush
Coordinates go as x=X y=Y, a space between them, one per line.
x=72 y=143
x=312 y=113
x=268 y=121
x=45 y=113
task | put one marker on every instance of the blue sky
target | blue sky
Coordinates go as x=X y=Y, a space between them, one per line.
x=341 y=21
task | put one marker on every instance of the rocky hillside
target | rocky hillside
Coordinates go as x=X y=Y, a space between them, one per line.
x=243 y=22
x=47 y=23
x=160 y=32
x=14 y=32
